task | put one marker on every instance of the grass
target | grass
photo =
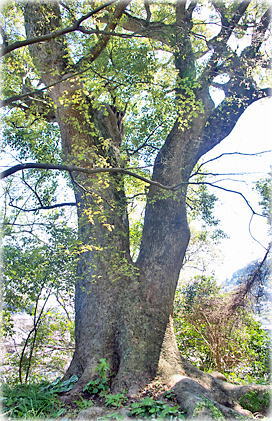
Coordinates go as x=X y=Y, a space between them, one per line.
x=31 y=401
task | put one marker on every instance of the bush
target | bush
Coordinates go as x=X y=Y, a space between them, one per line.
x=256 y=401
x=215 y=337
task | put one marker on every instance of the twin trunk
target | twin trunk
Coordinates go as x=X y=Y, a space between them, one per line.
x=123 y=308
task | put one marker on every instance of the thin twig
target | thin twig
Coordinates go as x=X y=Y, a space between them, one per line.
x=226 y=154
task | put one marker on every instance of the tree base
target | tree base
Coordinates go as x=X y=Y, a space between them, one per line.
x=201 y=396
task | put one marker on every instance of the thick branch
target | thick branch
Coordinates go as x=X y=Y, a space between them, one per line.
x=91 y=171
x=103 y=41
x=44 y=207
x=225 y=116
x=157 y=31
x=219 y=42
x=229 y=25
x=55 y=34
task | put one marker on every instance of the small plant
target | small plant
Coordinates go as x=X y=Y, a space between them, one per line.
x=31 y=401
x=59 y=386
x=256 y=401
x=100 y=384
x=115 y=401
x=169 y=394
x=149 y=407
x=103 y=368
x=83 y=403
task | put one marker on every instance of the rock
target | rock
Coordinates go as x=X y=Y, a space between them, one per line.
x=97 y=412
x=92 y=413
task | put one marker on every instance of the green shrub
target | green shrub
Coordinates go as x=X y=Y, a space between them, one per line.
x=256 y=401
x=59 y=386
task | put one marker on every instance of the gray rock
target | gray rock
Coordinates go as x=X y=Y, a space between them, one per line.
x=92 y=413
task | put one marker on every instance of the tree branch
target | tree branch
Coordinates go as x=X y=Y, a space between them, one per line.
x=230 y=191
x=55 y=34
x=227 y=25
x=225 y=154
x=91 y=171
x=223 y=119
x=145 y=143
x=241 y=293
x=158 y=31
x=56 y=205
x=15 y=98
x=258 y=35
x=103 y=41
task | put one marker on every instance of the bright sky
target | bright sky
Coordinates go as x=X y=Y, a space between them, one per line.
x=252 y=134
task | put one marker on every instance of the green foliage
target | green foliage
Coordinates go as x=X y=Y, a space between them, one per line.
x=44 y=350
x=201 y=202
x=33 y=272
x=148 y=407
x=256 y=401
x=136 y=229
x=83 y=403
x=100 y=384
x=264 y=188
x=28 y=270
x=169 y=394
x=59 y=386
x=96 y=387
x=115 y=401
x=215 y=339
x=39 y=141
x=31 y=401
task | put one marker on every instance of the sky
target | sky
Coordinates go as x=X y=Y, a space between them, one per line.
x=253 y=133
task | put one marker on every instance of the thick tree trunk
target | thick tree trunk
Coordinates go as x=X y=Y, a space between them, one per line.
x=123 y=309
x=123 y=313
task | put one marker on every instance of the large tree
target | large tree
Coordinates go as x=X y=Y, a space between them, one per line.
x=129 y=84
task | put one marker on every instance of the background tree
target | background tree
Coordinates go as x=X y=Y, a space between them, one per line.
x=124 y=74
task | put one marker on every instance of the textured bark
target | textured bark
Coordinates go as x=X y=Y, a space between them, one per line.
x=123 y=309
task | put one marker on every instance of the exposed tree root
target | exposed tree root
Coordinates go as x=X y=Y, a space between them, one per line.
x=202 y=396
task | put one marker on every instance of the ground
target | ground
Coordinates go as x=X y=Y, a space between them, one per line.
x=187 y=399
